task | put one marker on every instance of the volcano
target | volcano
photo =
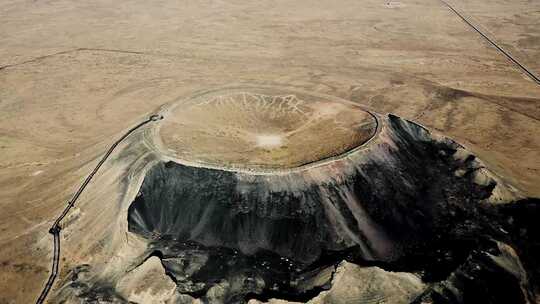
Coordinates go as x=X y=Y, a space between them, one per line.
x=263 y=194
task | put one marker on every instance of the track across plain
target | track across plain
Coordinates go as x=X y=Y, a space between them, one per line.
x=522 y=67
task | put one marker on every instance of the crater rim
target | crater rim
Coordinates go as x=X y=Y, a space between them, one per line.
x=357 y=121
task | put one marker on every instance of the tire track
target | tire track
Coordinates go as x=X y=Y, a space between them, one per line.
x=39 y=58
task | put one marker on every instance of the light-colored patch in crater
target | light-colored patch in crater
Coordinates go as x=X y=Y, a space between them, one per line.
x=269 y=141
x=263 y=128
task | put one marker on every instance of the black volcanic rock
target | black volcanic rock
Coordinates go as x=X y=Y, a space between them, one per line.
x=412 y=202
x=393 y=200
x=492 y=273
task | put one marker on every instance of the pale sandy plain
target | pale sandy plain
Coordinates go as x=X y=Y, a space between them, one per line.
x=75 y=75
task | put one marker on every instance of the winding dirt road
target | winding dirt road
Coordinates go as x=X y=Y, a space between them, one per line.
x=56 y=228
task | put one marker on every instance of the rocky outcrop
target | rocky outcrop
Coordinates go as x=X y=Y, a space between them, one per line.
x=147 y=283
x=364 y=285
x=492 y=274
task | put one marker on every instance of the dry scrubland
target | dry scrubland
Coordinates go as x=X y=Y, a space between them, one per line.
x=74 y=75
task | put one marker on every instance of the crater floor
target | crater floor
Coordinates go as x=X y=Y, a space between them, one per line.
x=264 y=128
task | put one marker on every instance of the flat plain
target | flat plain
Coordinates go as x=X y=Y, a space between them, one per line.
x=75 y=75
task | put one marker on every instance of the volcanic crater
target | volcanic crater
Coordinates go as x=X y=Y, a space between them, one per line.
x=264 y=128
x=262 y=194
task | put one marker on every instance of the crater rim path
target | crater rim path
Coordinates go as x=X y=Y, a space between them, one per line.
x=261 y=129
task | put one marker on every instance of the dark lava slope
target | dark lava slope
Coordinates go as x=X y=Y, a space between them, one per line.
x=412 y=202
x=410 y=217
